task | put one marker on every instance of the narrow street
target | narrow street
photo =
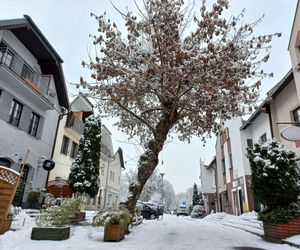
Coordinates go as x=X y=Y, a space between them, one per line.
x=172 y=232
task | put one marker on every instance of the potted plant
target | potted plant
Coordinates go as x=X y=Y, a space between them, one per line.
x=51 y=222
x=114 y=222
x=275 y=184
x=12 y=213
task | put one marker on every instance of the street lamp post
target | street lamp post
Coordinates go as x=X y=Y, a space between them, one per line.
x=162 y=192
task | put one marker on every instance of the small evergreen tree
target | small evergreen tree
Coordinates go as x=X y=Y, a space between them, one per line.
x=274 y=175
x=201 y=201
x=196 y=197
x=84 y=175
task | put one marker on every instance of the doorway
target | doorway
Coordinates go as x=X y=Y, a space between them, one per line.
x=241 y=201
x=21 y=187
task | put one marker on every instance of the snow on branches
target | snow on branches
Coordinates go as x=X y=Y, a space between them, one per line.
x=157 y=72
x=84 y=175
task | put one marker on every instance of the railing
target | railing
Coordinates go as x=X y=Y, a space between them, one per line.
x=42 y=84
x=74 y=123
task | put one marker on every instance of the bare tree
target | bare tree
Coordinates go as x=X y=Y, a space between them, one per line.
x=161 y=79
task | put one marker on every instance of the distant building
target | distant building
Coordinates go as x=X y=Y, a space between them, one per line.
x=208 y=185
x=232 y=171
x=68 y=135
x=234 y=191
x=32 y=97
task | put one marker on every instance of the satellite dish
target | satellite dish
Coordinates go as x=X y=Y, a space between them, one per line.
x=291 y=133
x=48 y=165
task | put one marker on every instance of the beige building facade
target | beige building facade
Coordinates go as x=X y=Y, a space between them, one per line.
x=68 y=135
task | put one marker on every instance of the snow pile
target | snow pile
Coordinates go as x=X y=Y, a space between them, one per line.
x=246 y=221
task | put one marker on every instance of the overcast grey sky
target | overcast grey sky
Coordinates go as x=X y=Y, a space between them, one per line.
x=67 y=25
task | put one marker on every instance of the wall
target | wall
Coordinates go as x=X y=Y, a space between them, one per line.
x=14 y=141
x=294 y=48
x=281 y=110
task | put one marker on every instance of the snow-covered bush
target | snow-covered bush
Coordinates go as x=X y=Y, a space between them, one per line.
x=275 y=180
x=84 y=175
x=13 y=212
x=60 y=215
x=107 y=217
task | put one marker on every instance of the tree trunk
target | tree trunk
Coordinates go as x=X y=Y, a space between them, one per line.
x=148 y=162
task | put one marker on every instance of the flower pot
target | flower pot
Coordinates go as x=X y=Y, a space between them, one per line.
x=114 y=232
x=275 y=232
x=50 y=233
x=5 y=226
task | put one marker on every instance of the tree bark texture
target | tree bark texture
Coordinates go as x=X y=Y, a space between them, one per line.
x=149 y=160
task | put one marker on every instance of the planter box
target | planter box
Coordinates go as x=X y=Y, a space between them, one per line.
x=126 y=229
x=5 y=226
x=114 y=232
x=276 y=232
x=50 y=233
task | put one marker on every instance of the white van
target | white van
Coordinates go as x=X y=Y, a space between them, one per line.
x=182 y=210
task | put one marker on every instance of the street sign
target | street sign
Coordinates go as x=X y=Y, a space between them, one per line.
x=291 y=133
x=48 y=165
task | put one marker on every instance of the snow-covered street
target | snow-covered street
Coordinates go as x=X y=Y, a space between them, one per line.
x=170 y=233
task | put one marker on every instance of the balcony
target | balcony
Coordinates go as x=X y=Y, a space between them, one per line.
x=43 y=85
x=74 y=123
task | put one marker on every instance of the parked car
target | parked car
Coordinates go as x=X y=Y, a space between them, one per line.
x=198 y=211
x=182 y=210
x=147 y=211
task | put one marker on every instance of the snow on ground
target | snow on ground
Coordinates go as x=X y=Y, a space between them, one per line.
x=172 y=232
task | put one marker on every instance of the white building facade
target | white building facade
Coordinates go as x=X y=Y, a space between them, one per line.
x=32 y=96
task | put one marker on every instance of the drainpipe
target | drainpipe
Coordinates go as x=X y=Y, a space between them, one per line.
x=54 y=142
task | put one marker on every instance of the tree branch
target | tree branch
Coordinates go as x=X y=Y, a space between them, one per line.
x=132 y=113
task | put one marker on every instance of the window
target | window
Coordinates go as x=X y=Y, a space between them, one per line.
x=230 y=160
x=74 y=150
x=0 y=92
x=6 y=55
x=296 y=115
x=249 y=143
x=27 y=73
x=223 y=165
x=110 y=175
x=15 y=113
x=263 y=138
x=34 y=124
x=65 y=145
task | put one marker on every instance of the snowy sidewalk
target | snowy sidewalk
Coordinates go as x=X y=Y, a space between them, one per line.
x=247 y=222
x=178 y=233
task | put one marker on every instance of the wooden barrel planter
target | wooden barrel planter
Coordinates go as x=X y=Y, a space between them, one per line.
x=277 y=232
x=50 y=233
x=6 y=224
x=9 y=180
x=114 y=232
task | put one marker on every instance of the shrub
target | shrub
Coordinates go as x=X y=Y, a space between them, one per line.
x=275 y=181
x=13 y=212
x=60 y=215
x=274 y=175
x=280 y=215
x=107 y=217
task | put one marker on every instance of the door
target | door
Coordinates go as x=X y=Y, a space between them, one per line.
x=21 y=188
x=241 y=201
x=235 y=204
